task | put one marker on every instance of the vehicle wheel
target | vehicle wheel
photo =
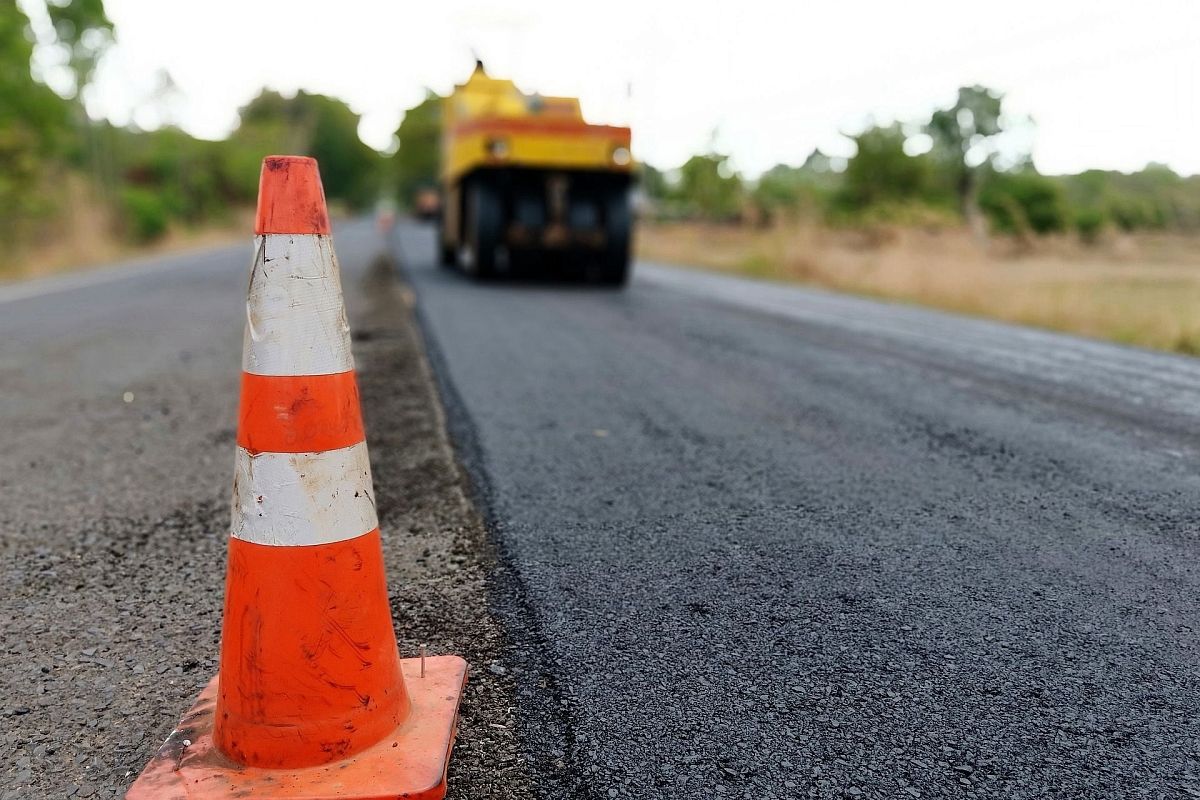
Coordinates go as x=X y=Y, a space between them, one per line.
x=618 y=224
x=484 y=223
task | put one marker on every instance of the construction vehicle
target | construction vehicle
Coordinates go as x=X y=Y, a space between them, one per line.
x=526 y=181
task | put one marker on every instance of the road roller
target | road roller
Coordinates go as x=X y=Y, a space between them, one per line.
x=527 y=182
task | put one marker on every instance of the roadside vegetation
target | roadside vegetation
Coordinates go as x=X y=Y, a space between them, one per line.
x=950 y=212
x=79 y=191
x=947 y=211
x=1140 y=289
x=967 y=164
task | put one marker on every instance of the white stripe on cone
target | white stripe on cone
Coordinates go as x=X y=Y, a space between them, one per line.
x=295 y=320
x=291 y=499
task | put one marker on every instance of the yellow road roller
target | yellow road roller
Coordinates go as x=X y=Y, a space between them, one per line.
x=527 y=182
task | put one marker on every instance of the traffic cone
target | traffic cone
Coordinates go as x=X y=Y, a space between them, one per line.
x=312 y=700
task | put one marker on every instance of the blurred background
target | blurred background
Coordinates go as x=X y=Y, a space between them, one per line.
x=1033 y=162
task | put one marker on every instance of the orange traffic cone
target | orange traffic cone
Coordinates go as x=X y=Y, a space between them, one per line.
x=312 y=700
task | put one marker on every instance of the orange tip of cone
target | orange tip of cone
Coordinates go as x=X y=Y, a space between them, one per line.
x=290 y=197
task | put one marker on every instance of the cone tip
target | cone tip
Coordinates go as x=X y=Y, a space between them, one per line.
x=290 y=197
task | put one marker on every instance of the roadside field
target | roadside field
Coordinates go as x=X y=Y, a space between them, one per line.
x=1142 y=290
x=84 y=235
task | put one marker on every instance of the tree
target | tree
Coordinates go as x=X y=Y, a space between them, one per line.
x=25 y=102
x=964 y=138
x=315 y=125
x=778 y=189
x=84 y=31
x=786 y=188
x=709 y=186
x=418 y=156
x=882 y=172
x=652 y=181
x=33 y=123
x=1024 y=201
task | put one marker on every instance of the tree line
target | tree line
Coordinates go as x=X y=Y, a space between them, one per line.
x=962 y=164
x=146 y=181
x=965 y=163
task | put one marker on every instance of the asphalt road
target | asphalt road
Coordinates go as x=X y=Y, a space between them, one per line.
x=742 y=540
x=759 y=541
x=118 y=412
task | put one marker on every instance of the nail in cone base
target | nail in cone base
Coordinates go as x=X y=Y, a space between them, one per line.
x=410 y=762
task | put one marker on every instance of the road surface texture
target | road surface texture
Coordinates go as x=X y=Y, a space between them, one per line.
x=114 y=514
x=767 y=542
x=743 y=541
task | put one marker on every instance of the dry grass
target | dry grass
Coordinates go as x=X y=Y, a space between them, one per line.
x=1142 y=290
x=86 y=236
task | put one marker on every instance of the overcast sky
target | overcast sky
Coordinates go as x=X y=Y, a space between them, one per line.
x=1109 y=84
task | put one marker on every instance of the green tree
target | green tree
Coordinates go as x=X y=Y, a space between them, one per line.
x=83 y=32
x=1024 y=201
x=784 y=188
x=964 y=137
x=24 y=102
x=653 y=182
x=881 y=172
x=318 y=126
x=34 y=122
x=778 y=189
x=82 y=28
x=1154 y=197
x=1090 y=222
x=418 y=156
x=709 y=186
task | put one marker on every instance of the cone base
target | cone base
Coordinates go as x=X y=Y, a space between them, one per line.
x=410 y=762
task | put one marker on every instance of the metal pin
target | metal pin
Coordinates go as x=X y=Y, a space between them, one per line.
x=422 y=661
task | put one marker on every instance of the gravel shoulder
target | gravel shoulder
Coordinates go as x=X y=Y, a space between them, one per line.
x=114 y=513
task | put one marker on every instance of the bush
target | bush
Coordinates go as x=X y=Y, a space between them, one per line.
x=1089 y=222
x=881 y=172
x=1018 y=202
x=145 y=214
x=1133 y=213
x=710 y=188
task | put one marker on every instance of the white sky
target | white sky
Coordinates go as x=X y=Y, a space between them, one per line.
x=1110 y=83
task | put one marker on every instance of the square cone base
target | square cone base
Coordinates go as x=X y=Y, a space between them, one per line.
x=408 y=763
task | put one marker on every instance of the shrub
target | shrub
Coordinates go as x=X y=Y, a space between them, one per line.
x=144 y=212
x=1090 y=222
x=881 y=172
x=1016 y=202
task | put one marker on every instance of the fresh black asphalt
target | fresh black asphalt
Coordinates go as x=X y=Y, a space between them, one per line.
x=760 y=541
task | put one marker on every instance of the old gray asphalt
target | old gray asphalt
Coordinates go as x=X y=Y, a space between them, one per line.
x=118 y=402
x=771 y=542
x=118 y=407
